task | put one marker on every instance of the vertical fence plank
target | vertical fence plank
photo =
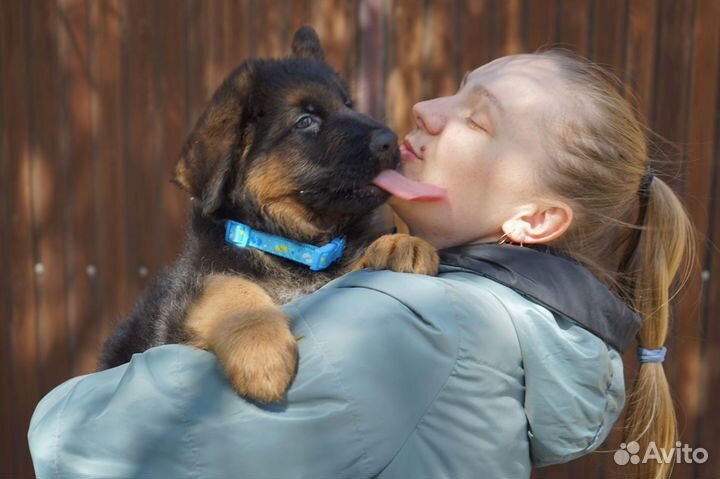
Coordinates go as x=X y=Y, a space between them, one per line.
x=107 y=126
x=703 y=201
x=509 y=19
x=171 y=81
x=573 y=30
x=700 y=154
x=369 y=90
x=304 y=12
x=215 y=45
x=477 y=39
x=541 y=23
x=709 y=432
x=76 y=156
x=48 y=195
x=228 y=42
x=441 y=50
x=404 y=80
x=670 y=112
x=640 y=55
x=7 y=362
x=271 y=29
x=609 y=33
x=236 y=34
x=336 y=24
x=24 y=387
x=197 y=21
x=142 y=148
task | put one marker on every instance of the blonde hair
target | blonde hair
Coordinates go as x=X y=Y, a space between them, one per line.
x=598 y=155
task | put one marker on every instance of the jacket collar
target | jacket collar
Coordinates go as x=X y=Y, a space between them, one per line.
x=559 y=283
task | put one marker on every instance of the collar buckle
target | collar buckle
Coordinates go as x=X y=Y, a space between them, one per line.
x=237 y=234
x=326 y=255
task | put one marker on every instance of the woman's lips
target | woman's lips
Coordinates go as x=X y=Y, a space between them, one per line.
x=407 y=153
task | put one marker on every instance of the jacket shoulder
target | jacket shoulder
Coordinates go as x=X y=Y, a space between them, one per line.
x=389 y=342
x=448 y=362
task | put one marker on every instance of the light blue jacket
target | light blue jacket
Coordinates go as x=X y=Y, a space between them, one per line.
x=400 y=376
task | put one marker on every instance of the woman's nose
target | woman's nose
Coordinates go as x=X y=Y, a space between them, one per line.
x=429 y=116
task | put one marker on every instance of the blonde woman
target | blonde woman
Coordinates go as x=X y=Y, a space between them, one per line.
x=558 y=247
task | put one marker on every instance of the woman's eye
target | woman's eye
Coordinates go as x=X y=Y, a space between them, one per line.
x=304 y=122
x=474 y=125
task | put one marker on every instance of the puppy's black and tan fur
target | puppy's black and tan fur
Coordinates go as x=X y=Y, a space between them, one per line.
x=281 y=149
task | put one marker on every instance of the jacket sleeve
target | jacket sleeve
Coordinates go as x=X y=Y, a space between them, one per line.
x=369 y=367
x=574 y=387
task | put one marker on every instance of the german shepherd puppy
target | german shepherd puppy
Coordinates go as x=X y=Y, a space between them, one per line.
x=280 y=149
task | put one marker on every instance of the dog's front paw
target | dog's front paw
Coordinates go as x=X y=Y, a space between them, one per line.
x=402 y=253
x=259 y=353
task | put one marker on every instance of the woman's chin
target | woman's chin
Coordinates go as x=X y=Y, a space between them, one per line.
x=410 y=212
x=412 y=169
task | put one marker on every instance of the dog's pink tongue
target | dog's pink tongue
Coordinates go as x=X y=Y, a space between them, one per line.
x=402 y=187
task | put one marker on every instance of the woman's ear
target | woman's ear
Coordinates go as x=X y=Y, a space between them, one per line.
x=538 y=223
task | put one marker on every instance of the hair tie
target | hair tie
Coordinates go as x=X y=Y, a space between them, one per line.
x=643 y=200
x=644 y=188
x=652 y=355
x=644 y=194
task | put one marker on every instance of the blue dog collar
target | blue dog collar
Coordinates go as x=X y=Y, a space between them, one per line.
x=315 y=257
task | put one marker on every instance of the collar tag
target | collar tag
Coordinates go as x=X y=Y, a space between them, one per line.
x=317 y=258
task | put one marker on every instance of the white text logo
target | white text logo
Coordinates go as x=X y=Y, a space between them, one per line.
x=628 y=453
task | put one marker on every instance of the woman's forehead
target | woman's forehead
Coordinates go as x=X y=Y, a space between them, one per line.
x=518 y=70
x=520 y=82
x=523 y=62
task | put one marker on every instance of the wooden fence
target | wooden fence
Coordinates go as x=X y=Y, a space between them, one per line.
x=98 y=95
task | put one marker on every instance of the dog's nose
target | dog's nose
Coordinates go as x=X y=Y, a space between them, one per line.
x=382 y=140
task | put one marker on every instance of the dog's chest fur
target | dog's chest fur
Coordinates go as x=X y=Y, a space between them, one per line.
x=286 y=285
x=286 y=291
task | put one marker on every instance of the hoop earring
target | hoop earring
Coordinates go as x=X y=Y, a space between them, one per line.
x=503 y=239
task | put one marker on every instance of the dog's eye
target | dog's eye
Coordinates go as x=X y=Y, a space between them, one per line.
x=304 y=122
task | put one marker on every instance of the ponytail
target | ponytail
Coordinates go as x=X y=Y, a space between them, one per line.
x=597 y=152
x=665 y=240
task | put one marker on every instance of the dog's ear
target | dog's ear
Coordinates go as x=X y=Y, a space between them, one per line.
x=207 y=157
x=306 y=44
